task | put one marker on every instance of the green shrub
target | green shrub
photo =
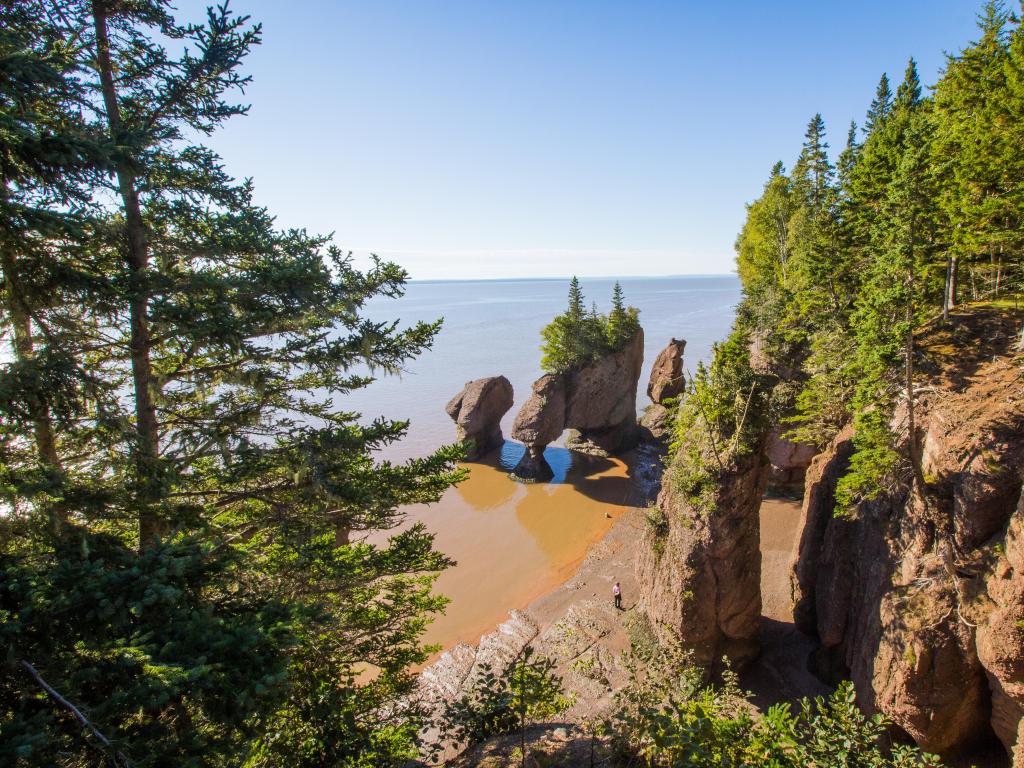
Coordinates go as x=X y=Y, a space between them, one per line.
x=667 y=716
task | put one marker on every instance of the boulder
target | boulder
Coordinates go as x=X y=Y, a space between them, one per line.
x=540 y=421
x=656 y=424
x=477 y=412
x=667 y=379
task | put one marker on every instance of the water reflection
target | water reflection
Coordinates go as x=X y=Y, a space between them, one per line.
x=513 y=541
x=560 y=459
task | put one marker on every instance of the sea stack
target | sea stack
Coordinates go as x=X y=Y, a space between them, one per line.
x=666 y=382
x=539 y=421
x=477 y=412
x=597 y=401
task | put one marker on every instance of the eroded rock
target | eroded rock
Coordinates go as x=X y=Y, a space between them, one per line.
x=598 y=402
x=477 y=412
x=789 y=460
x=540 y=421
x=1000 y=640
x=601 y=400
x=667 y=379
x=656 y=423
x=700 y=572
x=920 y=599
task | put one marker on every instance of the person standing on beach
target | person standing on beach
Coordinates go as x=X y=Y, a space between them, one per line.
x=617 y=592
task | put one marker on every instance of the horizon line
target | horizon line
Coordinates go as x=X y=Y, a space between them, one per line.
x=559 y=278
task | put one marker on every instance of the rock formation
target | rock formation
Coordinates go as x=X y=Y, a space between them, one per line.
x=789 y=461
x=539 y=421
x=667 y=381
x=597 y=401
x=667 y=373
x=477 y=411
x=920 y=601
x=700 y=571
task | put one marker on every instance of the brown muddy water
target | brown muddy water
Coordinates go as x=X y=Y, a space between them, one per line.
x=513 y=542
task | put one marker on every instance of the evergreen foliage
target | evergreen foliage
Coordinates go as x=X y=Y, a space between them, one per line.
x=507 y=701
x=180 y=480
x=668 y=715
x=577 y=337
x=841 y=267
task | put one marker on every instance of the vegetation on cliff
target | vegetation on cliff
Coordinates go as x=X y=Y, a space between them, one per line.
x=578 y=336
x=842 y=264
x=177 y=580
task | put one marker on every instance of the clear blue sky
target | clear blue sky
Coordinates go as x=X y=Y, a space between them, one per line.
x=503 y=139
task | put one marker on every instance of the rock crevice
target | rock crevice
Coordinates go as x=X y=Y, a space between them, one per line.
x=920 y=601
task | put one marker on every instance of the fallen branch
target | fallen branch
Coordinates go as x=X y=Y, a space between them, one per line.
x=119 y=757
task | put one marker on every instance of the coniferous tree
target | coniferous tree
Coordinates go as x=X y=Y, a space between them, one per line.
x=880 y=107
x=908 y=94
x=973 y=142
x=889 y=309
x=576 y=301
x=211 y=586
x=622 y=323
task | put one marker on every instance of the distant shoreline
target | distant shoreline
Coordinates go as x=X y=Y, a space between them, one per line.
x=568 y=277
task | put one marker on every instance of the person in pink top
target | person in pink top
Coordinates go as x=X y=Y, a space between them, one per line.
x=617 y=592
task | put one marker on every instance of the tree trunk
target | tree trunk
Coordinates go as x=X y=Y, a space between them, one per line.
x=954 y=280
x=999 y=270
x=146 y=424
x=908 y=345
x=949 y=294
x=24 y=350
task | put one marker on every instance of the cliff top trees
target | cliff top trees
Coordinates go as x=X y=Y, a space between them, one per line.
x=205 y=601
x=936 y=184
x=576 y=337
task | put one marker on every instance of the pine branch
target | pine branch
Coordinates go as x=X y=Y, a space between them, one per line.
x=119 y=757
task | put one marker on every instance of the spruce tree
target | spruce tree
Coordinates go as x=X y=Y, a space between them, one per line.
x=212 y=606
x=908 y=94
x=975 y=151
x=576 y=300
x=619 y=330
x=889 y=310
x=880 y=107
x=812 y=173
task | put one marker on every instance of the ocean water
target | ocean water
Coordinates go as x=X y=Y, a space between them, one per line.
x=511 y=541
x=493 y=327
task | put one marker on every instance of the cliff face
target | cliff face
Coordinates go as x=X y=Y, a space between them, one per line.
x=597 y=402
x=920 y=601
x=918 y=598
x=700 y=570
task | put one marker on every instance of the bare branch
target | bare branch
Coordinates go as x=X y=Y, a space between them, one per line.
x=119 y=757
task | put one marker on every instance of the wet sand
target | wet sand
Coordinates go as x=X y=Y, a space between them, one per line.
x=512 y=541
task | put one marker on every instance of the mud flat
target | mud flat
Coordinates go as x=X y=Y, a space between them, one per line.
x=513 y=542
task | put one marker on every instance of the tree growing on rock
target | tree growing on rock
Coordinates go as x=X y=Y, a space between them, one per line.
x=577 y=337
